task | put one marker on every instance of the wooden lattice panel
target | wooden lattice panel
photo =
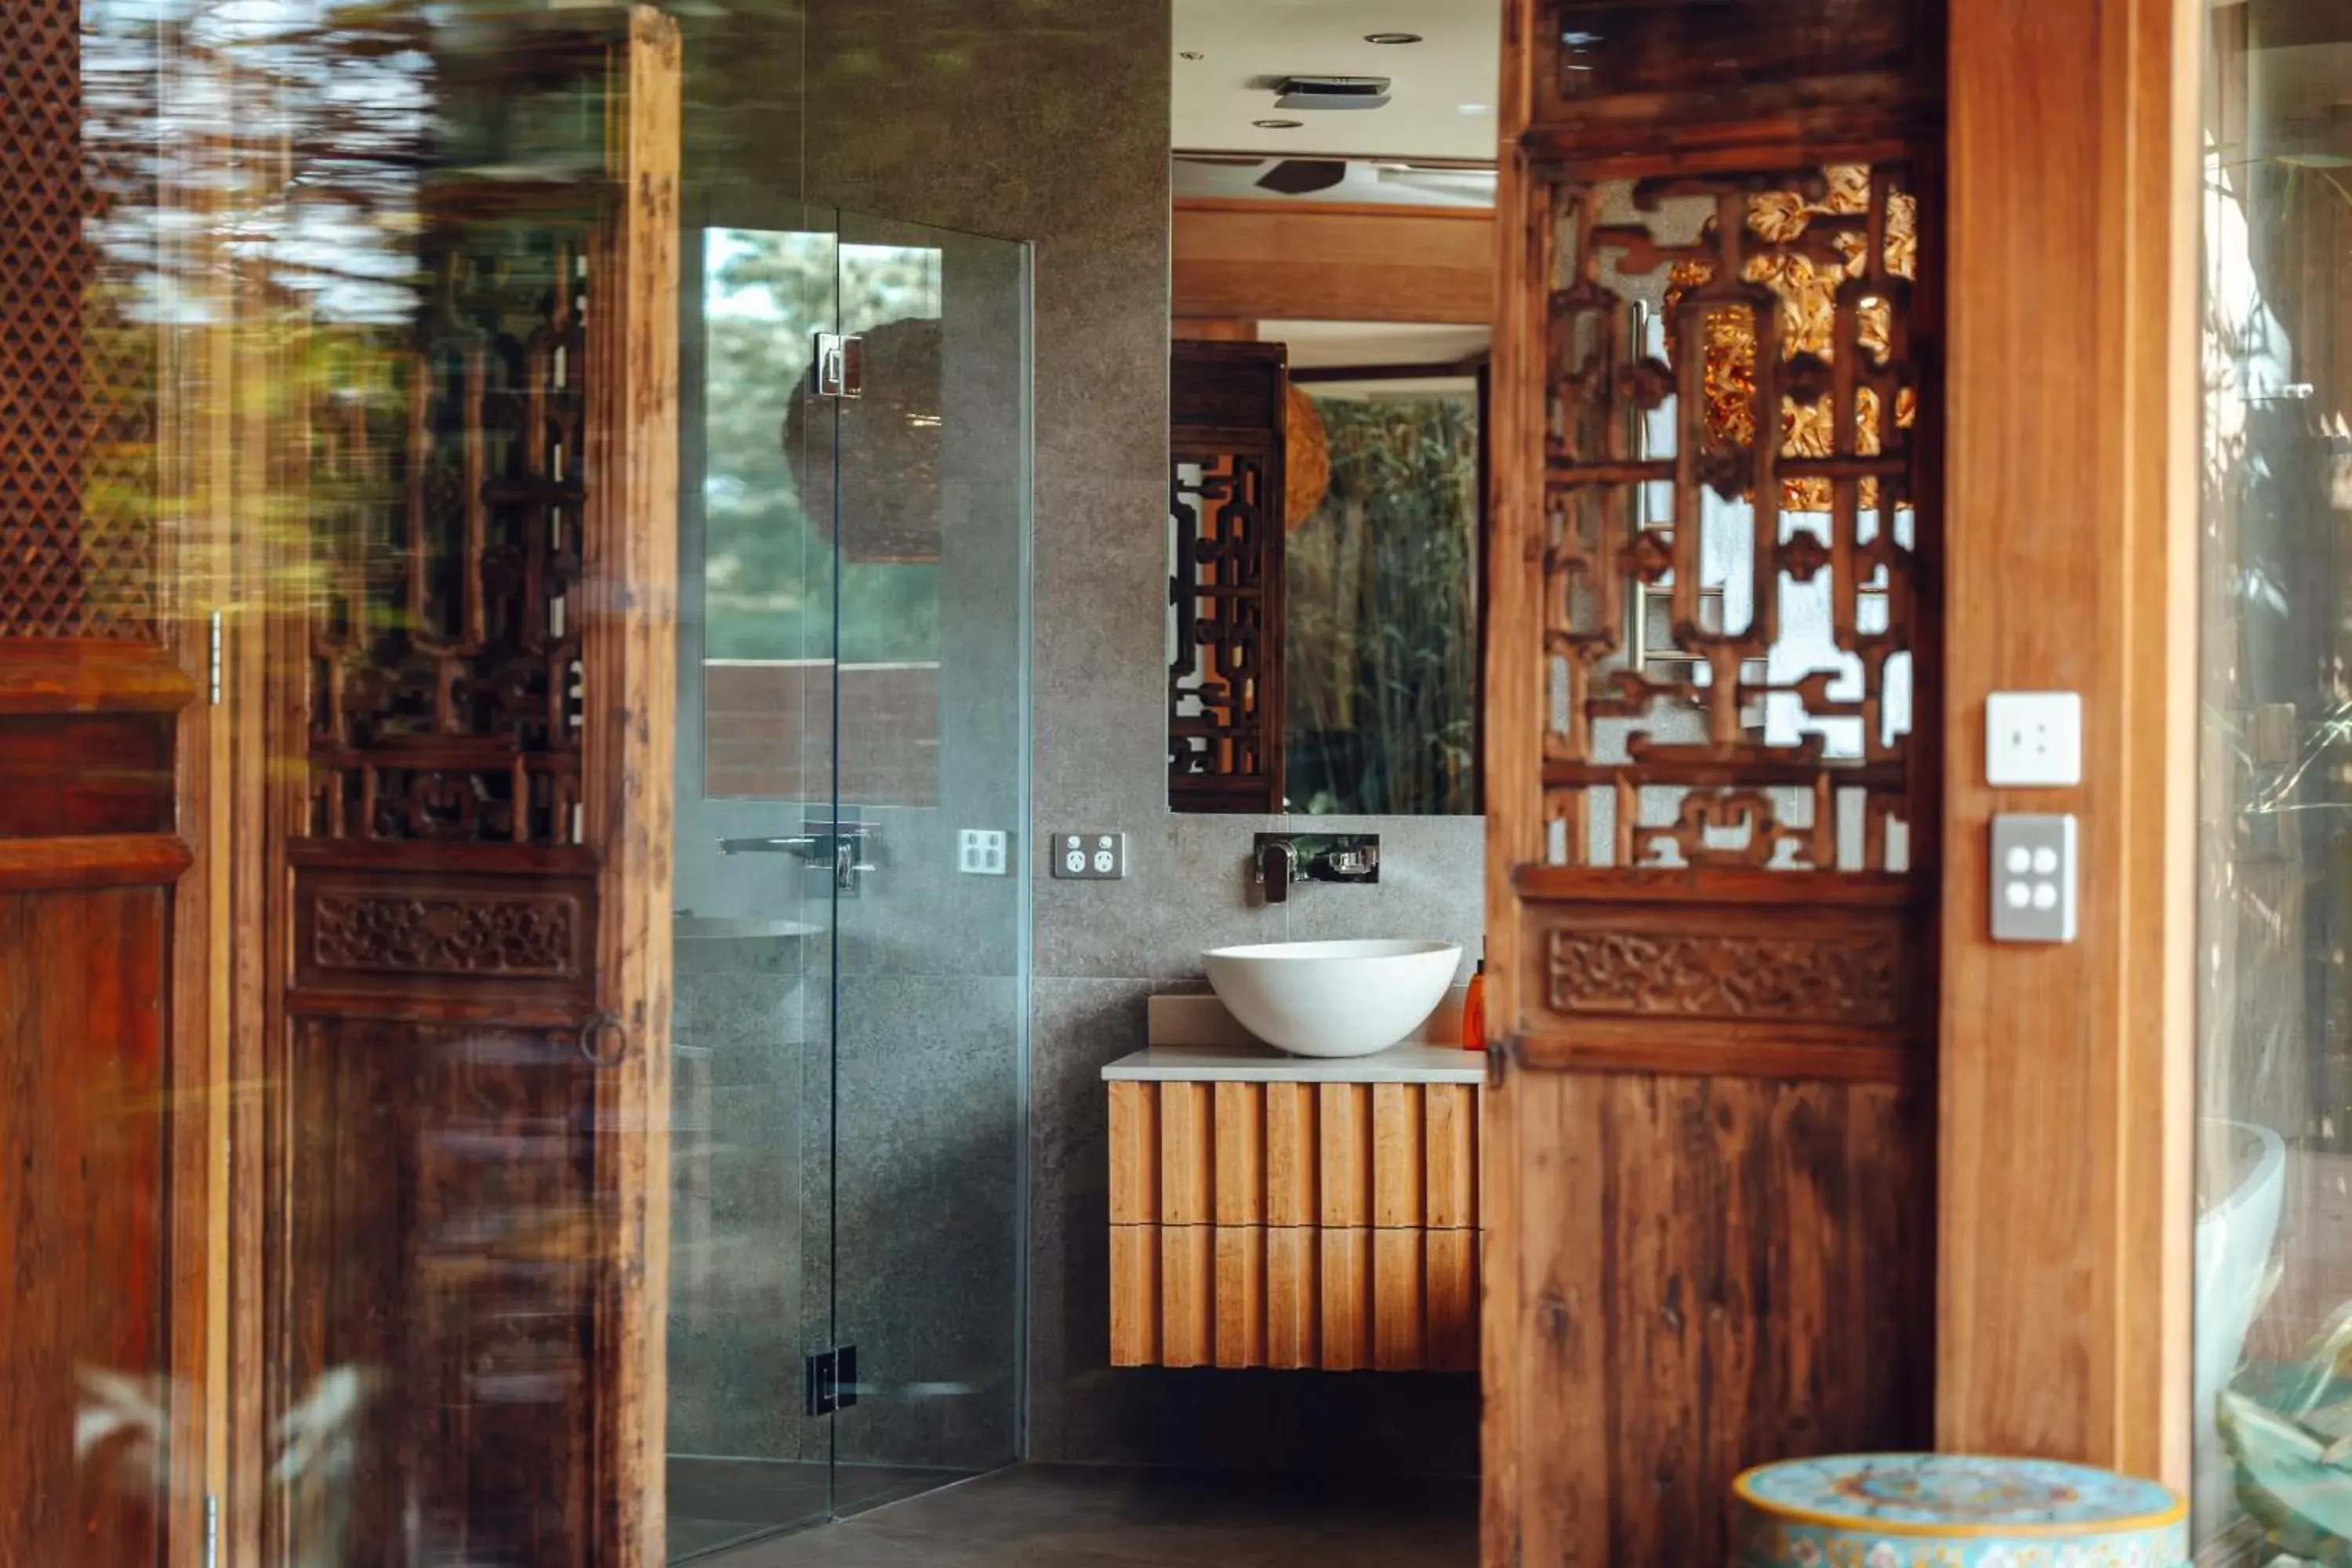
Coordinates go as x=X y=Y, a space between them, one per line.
x=76 y=533
x=447 y=692
x=1735 y=519
x=1225 y=509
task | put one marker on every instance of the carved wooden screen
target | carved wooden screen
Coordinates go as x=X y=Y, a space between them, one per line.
x=446 y=661
x=1226 y=529
x=1731 y=621
x=1712 y=658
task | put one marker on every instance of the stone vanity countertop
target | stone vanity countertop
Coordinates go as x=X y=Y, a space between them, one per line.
x=1408 y=1063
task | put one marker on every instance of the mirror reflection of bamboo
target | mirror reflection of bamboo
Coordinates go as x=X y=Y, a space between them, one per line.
x=1382 y=586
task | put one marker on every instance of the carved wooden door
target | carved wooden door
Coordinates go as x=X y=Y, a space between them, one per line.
x=457 y=682
x=1712 y=660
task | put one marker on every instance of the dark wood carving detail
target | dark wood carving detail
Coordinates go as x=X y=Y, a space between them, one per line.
x=424 y=935
x=446 y=676
x=502 y=933
x=76 y=395
x=1738 y=515
x=1226 y=527
x=1787 y=979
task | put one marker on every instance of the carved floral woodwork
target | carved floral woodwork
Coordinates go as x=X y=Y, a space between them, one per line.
x=1688 y=314
x=445 y=657
x=1856 y=979
x=447 y=935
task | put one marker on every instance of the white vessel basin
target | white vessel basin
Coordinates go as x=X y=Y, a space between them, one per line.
x=1332 y=998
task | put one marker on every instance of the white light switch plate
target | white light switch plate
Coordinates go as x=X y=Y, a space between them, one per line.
x=980 y=852
x=2033 y=738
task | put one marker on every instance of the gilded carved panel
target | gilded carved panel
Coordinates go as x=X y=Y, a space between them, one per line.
x=1737 y=516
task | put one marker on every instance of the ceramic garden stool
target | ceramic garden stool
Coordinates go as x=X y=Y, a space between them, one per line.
x=1953 y=1511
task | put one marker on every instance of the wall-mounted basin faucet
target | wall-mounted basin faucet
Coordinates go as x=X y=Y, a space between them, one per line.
x=1277 y=867
x=1279 y=859
x=841 y=849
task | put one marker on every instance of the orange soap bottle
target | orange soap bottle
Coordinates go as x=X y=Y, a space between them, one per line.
x=1474 y=1010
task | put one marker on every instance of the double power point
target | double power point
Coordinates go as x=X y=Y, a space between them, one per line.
x=1089 y=856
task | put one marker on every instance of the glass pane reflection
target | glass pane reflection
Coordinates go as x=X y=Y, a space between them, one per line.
x=2273 y=1378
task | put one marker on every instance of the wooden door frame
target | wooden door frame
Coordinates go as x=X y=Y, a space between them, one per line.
x=2066 y=1119
x=629 y=652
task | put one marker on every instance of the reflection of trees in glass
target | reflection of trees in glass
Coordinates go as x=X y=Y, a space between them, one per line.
x=1382 y=617
x=769 y=569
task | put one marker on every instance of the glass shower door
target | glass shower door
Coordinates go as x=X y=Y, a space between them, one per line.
x=852 y=1003
x=751 y=1205
x=931 y=763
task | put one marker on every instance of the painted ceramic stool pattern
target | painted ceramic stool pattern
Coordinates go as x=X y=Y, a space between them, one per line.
x=1953 y=1511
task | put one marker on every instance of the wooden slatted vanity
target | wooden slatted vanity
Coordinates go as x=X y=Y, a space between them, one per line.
x=1278 y=1211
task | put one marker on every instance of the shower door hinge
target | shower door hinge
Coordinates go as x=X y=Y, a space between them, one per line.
x=840 y=366
x=831 y=1380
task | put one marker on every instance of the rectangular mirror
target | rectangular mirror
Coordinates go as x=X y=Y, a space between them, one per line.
x=1326 y=488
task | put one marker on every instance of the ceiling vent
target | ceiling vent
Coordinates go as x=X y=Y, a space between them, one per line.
x=1332 y=92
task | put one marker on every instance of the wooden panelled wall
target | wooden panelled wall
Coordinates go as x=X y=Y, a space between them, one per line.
x=1713 y=761
x=102 y=993
x=1293 y=1224
x=1330 y=261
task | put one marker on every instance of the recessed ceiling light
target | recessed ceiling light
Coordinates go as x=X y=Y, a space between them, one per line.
x=1474 y=107
x=1277 y=125
x=1391 y=37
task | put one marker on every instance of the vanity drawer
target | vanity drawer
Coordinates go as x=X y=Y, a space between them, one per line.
x=1295 y=1225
